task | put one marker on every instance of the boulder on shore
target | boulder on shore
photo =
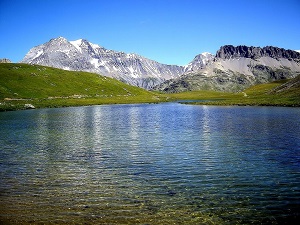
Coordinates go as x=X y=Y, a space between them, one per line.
x=29 y=106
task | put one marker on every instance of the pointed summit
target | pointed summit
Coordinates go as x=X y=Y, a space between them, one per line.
x=82 y=55
x=81 y=44
x=59 y=39
x=199 y=62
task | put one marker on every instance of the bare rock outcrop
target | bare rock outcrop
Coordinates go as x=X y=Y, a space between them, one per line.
x=230 y=51
x=5 y=60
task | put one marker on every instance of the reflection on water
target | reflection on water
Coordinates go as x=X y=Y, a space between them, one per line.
x=150 y=164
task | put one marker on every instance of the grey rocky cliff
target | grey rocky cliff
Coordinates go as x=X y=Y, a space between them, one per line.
x=229 y=51
x=199 y=62
x=236 y=68
x=82 y=55
x=231 y=69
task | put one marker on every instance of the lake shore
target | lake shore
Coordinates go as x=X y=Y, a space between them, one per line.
x=25 y=86
x=231 y=100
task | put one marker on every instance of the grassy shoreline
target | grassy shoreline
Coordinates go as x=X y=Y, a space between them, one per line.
x=258 y=95
x=216 y=99
x=46 y=87
x=11 y=105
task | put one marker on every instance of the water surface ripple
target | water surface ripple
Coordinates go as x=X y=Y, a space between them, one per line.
x=150 y=164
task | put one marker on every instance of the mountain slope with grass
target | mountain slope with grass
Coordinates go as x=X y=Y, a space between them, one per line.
x=23 y=86
x=277 y=93
x=235 y=68
x=82 y=55
x=289 y=88
x=45 y=86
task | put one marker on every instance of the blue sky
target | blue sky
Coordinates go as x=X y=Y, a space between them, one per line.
x=168 y=31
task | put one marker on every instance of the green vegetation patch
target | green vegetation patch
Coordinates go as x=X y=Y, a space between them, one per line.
x=42 y=86
x=265 y=94
x=278 y=93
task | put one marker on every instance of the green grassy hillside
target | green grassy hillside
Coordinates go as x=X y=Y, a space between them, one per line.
x=278 y=93
x=41 y=86
x=291 y=88
x=266 y=94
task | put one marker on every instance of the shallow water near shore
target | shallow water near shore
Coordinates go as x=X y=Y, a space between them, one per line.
x=150 y=164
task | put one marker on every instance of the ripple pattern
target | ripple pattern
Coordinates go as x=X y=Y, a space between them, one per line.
x=150 y=164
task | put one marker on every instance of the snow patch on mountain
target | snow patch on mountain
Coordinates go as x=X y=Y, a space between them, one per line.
x=94 y=46
x=231 y=66
x=39 y=53
x=199 y=62
x=95 y=62
x=81 y=55
x=77 y=44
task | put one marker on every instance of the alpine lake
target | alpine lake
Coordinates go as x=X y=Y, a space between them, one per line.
x=166 y=163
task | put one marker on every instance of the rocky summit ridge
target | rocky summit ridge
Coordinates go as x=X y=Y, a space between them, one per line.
x=230 y=69
x=5 y=60
x=82 y=55
x=236 y=68
x=229 y=51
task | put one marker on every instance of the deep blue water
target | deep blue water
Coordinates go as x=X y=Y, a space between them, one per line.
x=150 y=164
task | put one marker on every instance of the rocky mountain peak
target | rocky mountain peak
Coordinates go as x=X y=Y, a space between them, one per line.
x=82 y=55
x=5 y=60
x=199 y=62
x=230 y=51
x=58 y=40
x=236 y=68
x=254 y=65
x=276 y=52
x=87 y=47
x=55 y=44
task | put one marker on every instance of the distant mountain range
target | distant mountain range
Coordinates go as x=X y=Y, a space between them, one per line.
x=82 y=55
x=231 y=69
x=236 y=68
